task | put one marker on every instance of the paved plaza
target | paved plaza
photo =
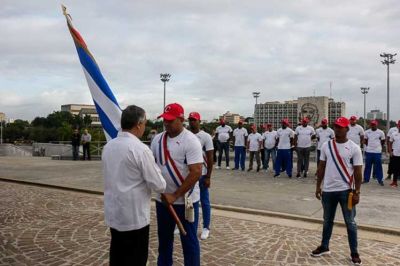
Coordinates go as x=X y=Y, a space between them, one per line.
x=379 y=206
x=42 y=226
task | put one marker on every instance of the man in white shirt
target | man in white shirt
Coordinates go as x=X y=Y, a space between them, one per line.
x=130 y=173
x=223 y=133
x=269 y=139
x=324 y=134
x=240 y=139
x=205 y=179
x=374 y=139
x=340 y=169
x=284 y=141
x=389 y=134
x=86 y=138
x=303 y=136
x=180 y=157
x=394 y=151
x=254 y=143
x=356 y=132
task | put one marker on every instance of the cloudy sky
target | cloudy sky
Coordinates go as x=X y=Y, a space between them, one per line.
x=218 y=53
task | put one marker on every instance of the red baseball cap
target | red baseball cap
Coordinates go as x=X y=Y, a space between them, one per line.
x=240 y=122
x=268 y=125
x=172 y=111
x=253 y=126
x=305 y=120
x=285 y=121
x=194 y=115
x=324 y=121
x=374 y=123
x=342 y=122
x=353 y=118
x=398 y=122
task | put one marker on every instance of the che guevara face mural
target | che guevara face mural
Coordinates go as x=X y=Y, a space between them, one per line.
x=310 y=111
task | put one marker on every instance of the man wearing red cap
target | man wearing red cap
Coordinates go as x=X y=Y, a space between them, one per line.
x=269 y=139
x=356 y=132
x=179 y=155
x=223 y=134
x=204 y=182
x=389 y=134
x=284 y=142
x=240 y=139
x=324 y=134
x=340 y=169
x=374 y=139
x=394 y=151
x=254 y=142
x=302 y=141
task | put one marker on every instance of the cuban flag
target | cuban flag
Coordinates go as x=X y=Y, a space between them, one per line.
x=106 y=104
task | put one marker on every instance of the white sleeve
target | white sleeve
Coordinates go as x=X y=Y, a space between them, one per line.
x=193 y=151
x=151 y=173
x=357 y=156
x=209 y=143
x=312 y=131
x=291 y=133
x=296 y=132
x=365 y=135
x=322 y=157
x=383 y=135
x=230 y=129
x=332 y=134
x=361 y=131
x=317 y=133
x=246 y=133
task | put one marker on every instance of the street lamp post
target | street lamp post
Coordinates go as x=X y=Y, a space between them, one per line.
x=1 y=131
x=364 y=91
x=387 y=60
x=256 y=94
x=165 y=78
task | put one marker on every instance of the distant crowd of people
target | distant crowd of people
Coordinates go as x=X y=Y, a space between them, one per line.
x=277 y=147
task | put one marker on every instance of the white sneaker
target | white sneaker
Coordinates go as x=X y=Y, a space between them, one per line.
x=176 y=231
x=205 y=234
x=228 y=168
x=217 y=167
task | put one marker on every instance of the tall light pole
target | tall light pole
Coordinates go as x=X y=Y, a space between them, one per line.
x=387 y=60
x=364 y=91
x=1 y=131
x=256 y=94
x=165 y=78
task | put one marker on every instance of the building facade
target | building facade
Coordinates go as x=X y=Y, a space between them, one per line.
x=314 y=108
x=231 y=118
x=376 y=114
x=82 y=110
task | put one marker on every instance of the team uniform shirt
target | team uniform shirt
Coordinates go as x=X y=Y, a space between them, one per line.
x=284 y=136
x=269 y=139
x=324 y=135
x=354 y=133
x=391 y=131
x=374 y=140
x=351 y=156
x=207 y=145
x=240 y=134
x=130 y=173
x=254 y=141
x=304 y=135
x=395 y=139
x=223 y=133
x=185 y=149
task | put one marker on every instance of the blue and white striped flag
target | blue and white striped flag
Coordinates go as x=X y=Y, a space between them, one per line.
x=106 y=104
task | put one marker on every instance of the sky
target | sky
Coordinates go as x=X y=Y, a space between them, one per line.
x=217 y=52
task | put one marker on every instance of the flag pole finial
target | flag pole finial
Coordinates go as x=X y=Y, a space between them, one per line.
x=64 y=9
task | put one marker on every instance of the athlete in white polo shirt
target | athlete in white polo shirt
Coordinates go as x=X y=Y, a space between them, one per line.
x=180 y=157
x=356 y=132
x=205 y=180
x=394 y=151
x=240 y=139
x=269 y=139
x=374 y=140
x=303 y=136
x=223 y=133
x=389 y=134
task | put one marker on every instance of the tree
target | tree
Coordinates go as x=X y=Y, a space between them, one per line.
x=87 y=121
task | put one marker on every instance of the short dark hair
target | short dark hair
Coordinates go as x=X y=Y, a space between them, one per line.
x=132 y=116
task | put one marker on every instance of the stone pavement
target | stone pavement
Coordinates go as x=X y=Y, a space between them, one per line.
x=42 y=226
x=379 y=206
